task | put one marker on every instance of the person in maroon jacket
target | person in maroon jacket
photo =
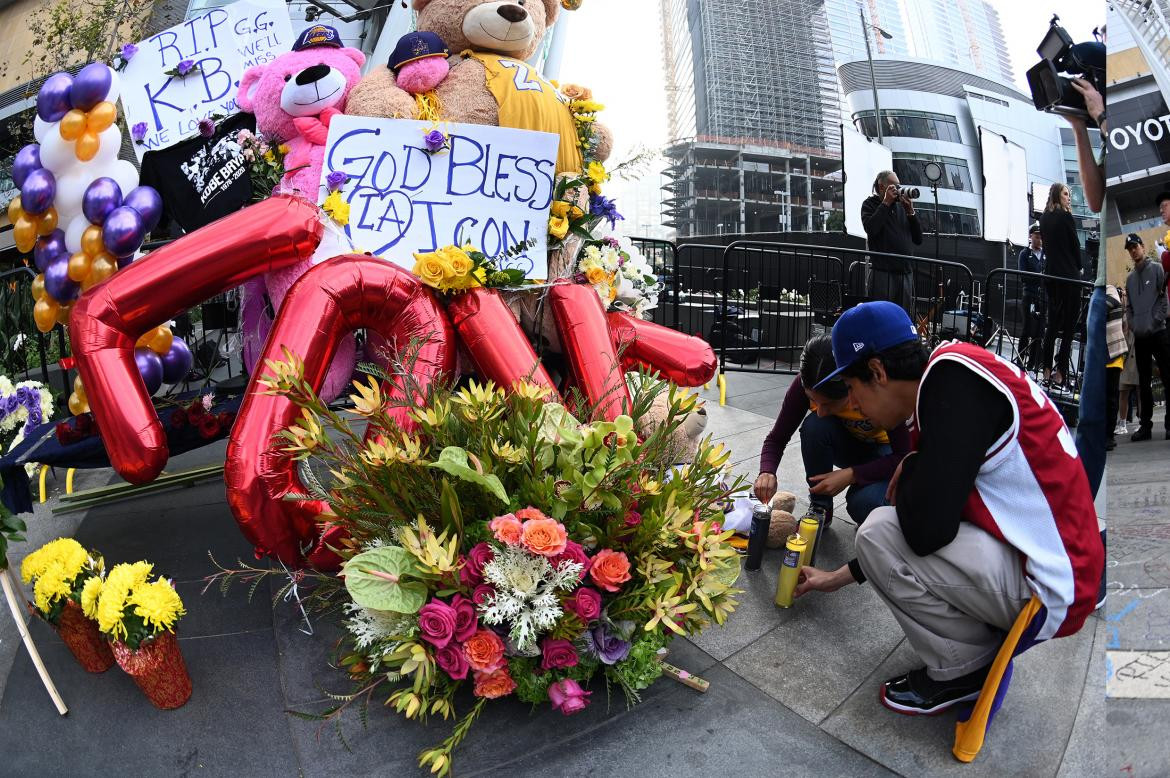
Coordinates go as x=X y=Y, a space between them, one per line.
x=831 y=435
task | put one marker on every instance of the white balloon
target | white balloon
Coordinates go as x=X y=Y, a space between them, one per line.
x=111 y=143
x=41 y=128
x=70 y=191
x=57 y=154
x=115 y=87
x=73 y=232
x=124 y=173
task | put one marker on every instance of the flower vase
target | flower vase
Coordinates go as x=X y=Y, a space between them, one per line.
x=80 y=634
x=158 y=669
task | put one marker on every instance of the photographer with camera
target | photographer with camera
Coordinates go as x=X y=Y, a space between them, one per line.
x=891 y=226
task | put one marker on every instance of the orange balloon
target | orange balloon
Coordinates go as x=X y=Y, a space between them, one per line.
x=79 y=266
x=101 y=269
x=91 y=241
x=63 y=312
x=144 y=340
x=45 y=313
x=47 y=222
x=78 y=389
x=101 y=116
x=14 y=209
x=161 y=342
x=87 y=146
x=38 y=287
x=78 y=405
x=24 y=232
x=72 y=124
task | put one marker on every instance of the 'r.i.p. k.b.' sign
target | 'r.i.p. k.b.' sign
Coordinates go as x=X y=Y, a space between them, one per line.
x=491 y=187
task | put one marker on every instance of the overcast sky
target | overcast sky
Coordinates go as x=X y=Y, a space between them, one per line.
x=614 y=47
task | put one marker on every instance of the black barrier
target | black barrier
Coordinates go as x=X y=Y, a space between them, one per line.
x=1017 y=311
x=663 y=258
x=26 y=353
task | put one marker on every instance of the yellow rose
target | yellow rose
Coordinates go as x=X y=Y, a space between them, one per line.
x=575 y=212
x=595 y=275
x=559 y=208
x=430 y=269
x=558 y=227
x=457 y=260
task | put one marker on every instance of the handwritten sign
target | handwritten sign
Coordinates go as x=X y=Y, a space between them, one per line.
x=492 y=187
x=221 y=43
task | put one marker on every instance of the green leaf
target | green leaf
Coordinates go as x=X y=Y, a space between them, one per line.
x=367 y=582
x=453 y=461
x=449 y=509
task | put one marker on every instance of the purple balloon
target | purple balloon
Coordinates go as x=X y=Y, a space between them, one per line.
x=123 y=231
x=125 y=261
x=91 y=86
x=26 y=161
x=38 y=191
x=150 y=367
x=101 y=197
x=148 y=203
x=177 y=362
x=57 y=281
x=49 y=248
x=53 y=100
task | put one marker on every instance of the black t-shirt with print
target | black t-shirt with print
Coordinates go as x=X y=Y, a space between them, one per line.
x=201 y=179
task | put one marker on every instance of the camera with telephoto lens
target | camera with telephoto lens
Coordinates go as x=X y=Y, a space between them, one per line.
x=909 y=192
x=1055 y=93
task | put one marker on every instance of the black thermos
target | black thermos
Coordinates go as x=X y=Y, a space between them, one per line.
x=758 y=538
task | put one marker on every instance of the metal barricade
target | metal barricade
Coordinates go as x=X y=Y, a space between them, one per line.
x=26 y=353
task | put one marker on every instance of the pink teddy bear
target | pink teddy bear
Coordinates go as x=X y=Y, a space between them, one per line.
x=294 y=97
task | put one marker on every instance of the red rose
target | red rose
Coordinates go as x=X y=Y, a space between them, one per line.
x=84 y=423
x=466 y=620
x=208 y=427
x=64 y=433
x=471 y=574
x=573 y=553
x=557 y=653
x=226 y=419
x=195 y=412
x=586 y=603
x=179 y=419
x=482 y=593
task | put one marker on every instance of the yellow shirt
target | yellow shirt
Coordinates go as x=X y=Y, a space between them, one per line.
x=528 y=102
x=859 y=426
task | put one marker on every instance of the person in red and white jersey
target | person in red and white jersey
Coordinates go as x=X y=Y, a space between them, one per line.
x=992 y=506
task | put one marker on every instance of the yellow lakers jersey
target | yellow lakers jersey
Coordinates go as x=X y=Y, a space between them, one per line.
x=528 y=102
x=859 y=426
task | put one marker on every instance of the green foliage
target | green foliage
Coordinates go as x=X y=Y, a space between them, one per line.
x=642 y=666
x=453 y=461
x=74 y=32
x=373 y=580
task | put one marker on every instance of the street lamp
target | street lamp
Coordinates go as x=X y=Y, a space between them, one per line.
x=865 y=26
x=934 y=173
x=785 y=208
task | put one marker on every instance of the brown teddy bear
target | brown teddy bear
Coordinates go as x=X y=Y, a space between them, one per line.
x=684 y=442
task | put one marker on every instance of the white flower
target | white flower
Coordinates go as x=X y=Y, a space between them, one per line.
x=525 y=598
x=368 y=626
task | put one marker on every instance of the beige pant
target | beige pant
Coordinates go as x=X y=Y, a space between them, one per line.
x=955 y=605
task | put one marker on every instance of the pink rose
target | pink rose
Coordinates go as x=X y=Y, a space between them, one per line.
x=482 y=593
x=471 y=574
x=610 y=569
x=633 y=518
x=586 y=603
x=557 y=653
x=466 y=621
x=452 y=661
x=436 y=622
x=573 y=553
x=507 y=529
x=567 y=696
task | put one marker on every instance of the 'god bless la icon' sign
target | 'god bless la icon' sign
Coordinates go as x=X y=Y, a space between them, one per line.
x=491 y=187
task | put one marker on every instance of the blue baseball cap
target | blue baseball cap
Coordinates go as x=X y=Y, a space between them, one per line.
x=866 y=329
x=415 y=46
x=317 y=35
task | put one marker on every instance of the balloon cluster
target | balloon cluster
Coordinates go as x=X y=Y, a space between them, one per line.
x=80 y=210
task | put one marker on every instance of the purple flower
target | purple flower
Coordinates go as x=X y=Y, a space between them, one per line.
x=185 y=66
x=336 y=180
x=128 y=51
x=11 y=404
x=435 y=140
x=602 y=206
x=610 y=649
x=22 y=394
x=206 y=128
x=611 y=241
x=138 y=132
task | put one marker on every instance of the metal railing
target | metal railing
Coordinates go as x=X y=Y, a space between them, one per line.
x=26 y=353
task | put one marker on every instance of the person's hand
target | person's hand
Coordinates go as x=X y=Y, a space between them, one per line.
x=812 y=579
x=907 y=203
x=832 y=483
x=1094 y=103
x=765 y=487
x=891 y=194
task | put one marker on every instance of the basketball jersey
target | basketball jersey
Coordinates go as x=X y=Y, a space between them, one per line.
x=528 y=102
x=1032 y=493
x=859 y=426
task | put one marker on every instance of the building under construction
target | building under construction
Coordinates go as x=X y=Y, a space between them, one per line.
x=754 y=116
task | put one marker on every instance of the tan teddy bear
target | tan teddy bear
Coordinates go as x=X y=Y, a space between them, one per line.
x=684 y=442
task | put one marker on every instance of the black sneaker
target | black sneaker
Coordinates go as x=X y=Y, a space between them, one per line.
x=917 y=694
x=1143 y=433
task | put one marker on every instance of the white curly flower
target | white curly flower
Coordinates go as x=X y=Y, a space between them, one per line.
x=525 y=598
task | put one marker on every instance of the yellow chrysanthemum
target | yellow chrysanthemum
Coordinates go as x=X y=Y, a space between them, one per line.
x=52 y=585
x=89 y=596
x=66 y=552
x=337 y=208
x=596 y=172
x=158 y=604
x=111 y=603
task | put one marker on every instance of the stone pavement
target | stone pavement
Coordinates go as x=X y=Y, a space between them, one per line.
x=792 y=691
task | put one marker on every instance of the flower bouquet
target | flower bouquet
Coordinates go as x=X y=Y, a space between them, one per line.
x=620 y=275
x=504 y=548
x=23 y=406
x=139 y=616
x=265 y=158
x=61 y=570
x=454 y=269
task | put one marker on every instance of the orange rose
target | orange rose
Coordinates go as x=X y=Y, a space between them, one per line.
x=575 y=92
x=494 y=684
x=610 y=569
x=546 y=537
x=524 y=514
x=484 y=651
x=507 y=529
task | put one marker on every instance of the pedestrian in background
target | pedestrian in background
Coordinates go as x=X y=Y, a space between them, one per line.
x=1118 y=346
x=1032 y=301
x=892 y=227
x=1063 y=260
x=1145 y=311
